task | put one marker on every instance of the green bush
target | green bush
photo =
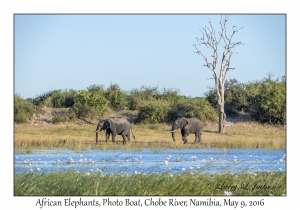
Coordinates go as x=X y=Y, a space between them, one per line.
x=235 y=97
x=265 y=99
x=69 y=117
x=23 y=109
x=56 y=99
x=171 y=95
x=89 y=104
x=270 y=102
x=211 y=97
x=117 y=99
x=155 y=112
x=252 y=90
x=197 y=107
x=160 y=111
x=138 y=98
x=96 y=89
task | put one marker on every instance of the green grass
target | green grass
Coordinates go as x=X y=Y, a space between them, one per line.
x=73 y=183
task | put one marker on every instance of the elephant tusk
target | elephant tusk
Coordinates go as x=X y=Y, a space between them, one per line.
x=173 y=131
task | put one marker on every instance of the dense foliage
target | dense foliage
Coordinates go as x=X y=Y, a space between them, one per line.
x=265 y=100
x=116 y=97
x=23 y=109
x=56 y=98
x=269 y=104
x=88 y=104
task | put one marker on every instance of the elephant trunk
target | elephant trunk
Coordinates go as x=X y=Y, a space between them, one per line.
x=97 y=131
x=96 y=137
x=174 y=127
x=98 y=128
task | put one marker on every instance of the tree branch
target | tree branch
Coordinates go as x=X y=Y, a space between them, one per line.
x=209 y=40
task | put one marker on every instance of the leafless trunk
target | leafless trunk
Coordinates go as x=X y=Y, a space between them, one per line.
x=209 y=40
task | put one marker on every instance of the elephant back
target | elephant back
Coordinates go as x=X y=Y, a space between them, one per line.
x=196 y=122
x=119 y=119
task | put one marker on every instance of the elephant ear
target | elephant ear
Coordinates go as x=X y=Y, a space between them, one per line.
x=106 y=124
x=183 y=123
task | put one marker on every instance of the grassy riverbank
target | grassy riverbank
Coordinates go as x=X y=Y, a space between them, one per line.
x=239 y=135
x=73 y=183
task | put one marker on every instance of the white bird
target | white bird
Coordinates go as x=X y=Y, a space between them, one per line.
x=227 y=193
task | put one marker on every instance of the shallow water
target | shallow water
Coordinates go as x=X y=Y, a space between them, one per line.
x=147 y=161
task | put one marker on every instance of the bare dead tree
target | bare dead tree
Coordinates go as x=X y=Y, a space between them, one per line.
x=211 y=41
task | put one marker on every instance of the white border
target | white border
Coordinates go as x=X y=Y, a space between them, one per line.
x=9 y=7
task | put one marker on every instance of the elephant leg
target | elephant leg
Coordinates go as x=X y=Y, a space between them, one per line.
x=124 y=139
x=200 y=140
x=107 y=135
x=196 y=138
x=184 y=133
x=128 y=136
x=184 y=138
x=113 y=137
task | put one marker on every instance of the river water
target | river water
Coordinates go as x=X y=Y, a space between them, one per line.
x=148 y=161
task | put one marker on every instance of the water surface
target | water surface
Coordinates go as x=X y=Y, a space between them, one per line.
x=147 y=161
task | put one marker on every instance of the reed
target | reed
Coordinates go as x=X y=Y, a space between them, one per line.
x=73 y=183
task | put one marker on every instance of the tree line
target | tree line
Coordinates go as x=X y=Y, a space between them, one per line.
x=264 y=99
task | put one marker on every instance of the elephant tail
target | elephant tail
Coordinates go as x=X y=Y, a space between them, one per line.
x=132 y=133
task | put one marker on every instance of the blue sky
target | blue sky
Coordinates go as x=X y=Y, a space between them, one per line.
x=75 y=51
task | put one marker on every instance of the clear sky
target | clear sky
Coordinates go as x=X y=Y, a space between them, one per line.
x=75 y=51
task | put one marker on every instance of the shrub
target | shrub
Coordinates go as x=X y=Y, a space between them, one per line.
x=170 y=95
x=235 y=97
x=155 y=112
x=211 y=97
x=265 y=99
x=117 y=98
x=56 y=98
x=197 y=107
x=269 y=104
x=89 y=104
x=160 y=111
x=137 y=98
x=252 y=90
x=23 y=109
x=99 y=89
x=69 y=117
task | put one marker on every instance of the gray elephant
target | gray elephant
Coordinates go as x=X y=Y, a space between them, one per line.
x=115 y=126
x=188 y=126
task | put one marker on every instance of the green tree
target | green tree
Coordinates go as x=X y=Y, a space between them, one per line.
x=155 y=112
x=56 y=98
x=235 y=97
x=89 y=104
x=138 y=98
x=211 y=97
x=24 y=109
x=194 y=107
x=270 y=102
x=171 y=95
x=116 y=97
